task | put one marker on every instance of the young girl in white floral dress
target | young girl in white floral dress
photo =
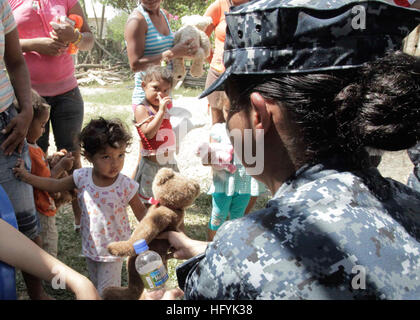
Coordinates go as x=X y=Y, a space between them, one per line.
x=103 y=194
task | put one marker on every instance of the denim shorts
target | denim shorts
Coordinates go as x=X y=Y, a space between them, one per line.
x=146 y=172
x=216 y=97
x=66 y=118
x=20 y=193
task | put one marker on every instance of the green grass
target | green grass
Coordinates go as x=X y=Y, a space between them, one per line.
x=69 y=250
x=120 y=94
x=115 y=101
x=187 y=92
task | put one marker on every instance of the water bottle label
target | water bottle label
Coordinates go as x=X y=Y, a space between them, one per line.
x=155 y=278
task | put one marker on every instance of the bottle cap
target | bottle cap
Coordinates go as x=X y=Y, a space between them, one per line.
x=140 y=246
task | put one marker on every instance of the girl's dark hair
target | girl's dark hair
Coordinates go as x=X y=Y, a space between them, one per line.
x=99 y=133
x=345 y=111
x=157 y=72
x=39 y=104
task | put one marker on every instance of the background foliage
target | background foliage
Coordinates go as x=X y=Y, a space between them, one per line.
x=115 y=27
x=176 y=8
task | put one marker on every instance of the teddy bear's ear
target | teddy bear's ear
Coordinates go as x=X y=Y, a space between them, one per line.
x=164 y=175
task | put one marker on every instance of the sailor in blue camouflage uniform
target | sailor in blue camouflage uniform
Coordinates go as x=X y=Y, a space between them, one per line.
x=317 y=78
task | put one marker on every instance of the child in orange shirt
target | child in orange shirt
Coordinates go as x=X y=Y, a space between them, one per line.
x=44 y=203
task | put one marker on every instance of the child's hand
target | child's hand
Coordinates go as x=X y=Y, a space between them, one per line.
x=162 y=294
x=63 y=32
x=164 y=103
x=66 y=162
x=50 y=47
x=20 y=171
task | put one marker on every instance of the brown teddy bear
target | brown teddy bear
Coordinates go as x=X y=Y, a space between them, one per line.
x=193 y=27
x=63 y=197
x=174 y=193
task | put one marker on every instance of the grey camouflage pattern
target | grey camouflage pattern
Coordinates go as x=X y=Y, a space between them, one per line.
x=296 y=36
x=305 y=244
x=414 y=178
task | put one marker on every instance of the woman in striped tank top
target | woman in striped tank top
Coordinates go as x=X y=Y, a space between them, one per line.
x=150 y=41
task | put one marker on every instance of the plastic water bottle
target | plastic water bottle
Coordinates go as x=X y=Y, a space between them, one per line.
x=150 y=267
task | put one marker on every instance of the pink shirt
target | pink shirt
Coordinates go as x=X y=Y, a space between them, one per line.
x=104 y=213
x=50 y=75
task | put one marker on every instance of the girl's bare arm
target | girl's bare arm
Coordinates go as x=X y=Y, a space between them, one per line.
x=149 y=128
x=22 y=253
x=41 y=183
x=138 y=207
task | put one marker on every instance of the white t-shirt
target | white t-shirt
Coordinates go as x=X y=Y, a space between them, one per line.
x=104 y=215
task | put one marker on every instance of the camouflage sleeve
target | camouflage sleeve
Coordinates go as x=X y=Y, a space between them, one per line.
x=414 y=155
x=414 y=178
x=212 y=278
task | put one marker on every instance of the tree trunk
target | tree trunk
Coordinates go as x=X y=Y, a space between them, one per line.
x=96 y=18
x=83 y=5
x=102 y=22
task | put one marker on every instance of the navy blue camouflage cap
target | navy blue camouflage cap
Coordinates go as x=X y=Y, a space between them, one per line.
x=306 y=36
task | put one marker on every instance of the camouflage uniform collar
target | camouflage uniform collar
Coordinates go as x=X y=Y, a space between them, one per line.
x=296 y=36
x=317 y=170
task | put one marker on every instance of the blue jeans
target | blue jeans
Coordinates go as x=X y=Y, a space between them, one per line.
x=20 y=193
x=66 y=117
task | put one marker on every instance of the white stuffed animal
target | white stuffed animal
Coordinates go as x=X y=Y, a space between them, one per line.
x=192 y=28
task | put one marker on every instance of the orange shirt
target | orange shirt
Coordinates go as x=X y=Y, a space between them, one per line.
x=43 y=201
x=217 y=12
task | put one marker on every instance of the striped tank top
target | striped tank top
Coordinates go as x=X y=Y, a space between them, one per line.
x=155 y=43
x=7 y=25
